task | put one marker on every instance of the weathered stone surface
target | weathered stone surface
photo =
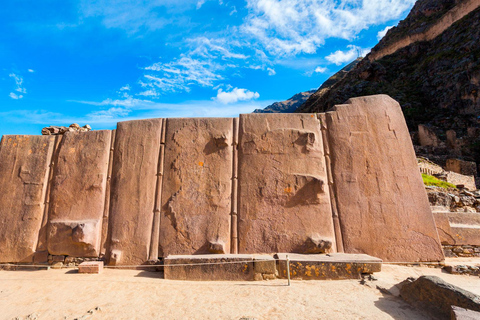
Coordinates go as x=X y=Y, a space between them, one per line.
x=464 y=314
x=24 y=163
x=381 y=199
x=458 y=228
x=210 y=267
x=434 y=295
x=90 y=267
x=468 y=182
x=334 y=266
x=284 y=199
x=134 y=178
x=468 y=168
x=77 y=197
x=197 y=186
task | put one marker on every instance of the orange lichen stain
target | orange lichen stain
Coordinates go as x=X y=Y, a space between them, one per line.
x=333 y=269
x=348 y=268
x=288 y=190
x=317 y=272
x=311 y=116
x=245 y=268
x=14 y=144
x=200 y=163
x=71 y=150
x=308 y=271
x=30 y=151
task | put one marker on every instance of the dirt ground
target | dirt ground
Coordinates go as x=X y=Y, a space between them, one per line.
x=130 y=294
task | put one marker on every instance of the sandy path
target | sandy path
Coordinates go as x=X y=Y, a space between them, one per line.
x=129 y=294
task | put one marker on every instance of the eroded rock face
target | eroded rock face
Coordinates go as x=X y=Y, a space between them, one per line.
x=134 y=178
x=78 y=194
x=24 y=163
x=380 y=195
x=197 y=186
x=284 y=198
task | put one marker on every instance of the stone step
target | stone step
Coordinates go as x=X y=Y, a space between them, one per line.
x=333 y=266
x=241 y=267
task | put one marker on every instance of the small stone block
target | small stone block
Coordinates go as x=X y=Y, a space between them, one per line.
x=90 y=267
x=210 y=267
x=40 y=257
x=58 y=258
x=333 y=266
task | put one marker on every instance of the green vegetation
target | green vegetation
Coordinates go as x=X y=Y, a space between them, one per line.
x=432 y=181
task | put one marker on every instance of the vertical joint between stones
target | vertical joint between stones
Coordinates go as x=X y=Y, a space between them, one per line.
x=333 y=201
x=234 y=216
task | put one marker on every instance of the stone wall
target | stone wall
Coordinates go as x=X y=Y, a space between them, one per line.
x=343 y=181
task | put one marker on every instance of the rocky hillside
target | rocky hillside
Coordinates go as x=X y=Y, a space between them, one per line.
x=436 y=81
x=292 y=104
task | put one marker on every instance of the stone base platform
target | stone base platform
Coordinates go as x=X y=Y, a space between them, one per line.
x=211 y=267
x=241 y=267
x=333 y=266
x=90 y=267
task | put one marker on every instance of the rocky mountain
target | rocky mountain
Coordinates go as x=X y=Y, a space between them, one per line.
x=292 y=104
x=287 y=106
x=429 y=63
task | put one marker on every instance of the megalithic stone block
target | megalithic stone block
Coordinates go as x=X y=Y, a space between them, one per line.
x=381 y=199
x=197 y=184
x=284 y=201
x=24 y=164
x=133 y=187
x=77 y=197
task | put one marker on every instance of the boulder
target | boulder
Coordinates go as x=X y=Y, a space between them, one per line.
x=381 y=199
x=435 y=296
x=24 y=171
x=133 y=190
x=77 y=196
x=284 y=198
x=197 y=186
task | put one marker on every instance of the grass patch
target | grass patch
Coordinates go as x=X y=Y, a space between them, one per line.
x=432 y=181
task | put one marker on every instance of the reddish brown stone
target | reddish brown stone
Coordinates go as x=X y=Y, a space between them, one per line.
x=24 y=163
x=284 y=200
x=77 y=196
x=90 y=267
x=382 y=203
x=197 y=186
x=458 y=228
x=134 y=178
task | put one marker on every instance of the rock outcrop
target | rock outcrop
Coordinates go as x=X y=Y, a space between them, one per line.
x=434 y=75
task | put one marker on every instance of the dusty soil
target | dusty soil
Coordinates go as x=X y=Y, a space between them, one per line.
x=130 y=294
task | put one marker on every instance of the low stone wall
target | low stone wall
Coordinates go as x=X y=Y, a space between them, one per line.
x=451 y=251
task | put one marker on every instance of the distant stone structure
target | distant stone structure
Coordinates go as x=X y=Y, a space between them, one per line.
x=343 y=181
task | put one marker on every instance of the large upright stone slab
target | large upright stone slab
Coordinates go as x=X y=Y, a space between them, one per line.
x=24 y=163
x=77 y=197
x=381 y=199
x=284 y=200
x=133 y=189
x=197 y=186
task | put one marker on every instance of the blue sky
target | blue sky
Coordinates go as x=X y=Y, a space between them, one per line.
x=100 y=62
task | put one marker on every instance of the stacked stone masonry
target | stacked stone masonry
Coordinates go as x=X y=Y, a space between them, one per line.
x=344 y=181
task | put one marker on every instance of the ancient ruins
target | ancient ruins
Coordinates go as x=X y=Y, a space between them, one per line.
x=342 y=181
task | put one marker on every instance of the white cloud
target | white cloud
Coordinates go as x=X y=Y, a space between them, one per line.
x=31 y=70
x=235 y=95
x=383 y=32
x=15 y=96
x=115 y=112
x=320 y=70
x=290 y=27
x=200 y=4
x=271 y=72
x=339 y=57
x=125 y=88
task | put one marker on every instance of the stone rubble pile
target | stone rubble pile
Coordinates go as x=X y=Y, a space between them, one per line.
x=58 y=130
